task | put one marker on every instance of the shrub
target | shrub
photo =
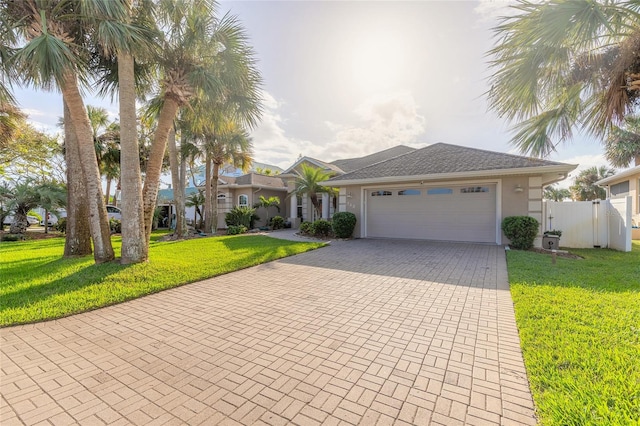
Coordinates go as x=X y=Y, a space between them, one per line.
x=115 y=225
x=277 y=222
x=521 y=230
x=12 y=237
x=236 y=229
x=343 y=224
x=61 y=225
x=241 y=215
x=321 y=228
x=306 y=227
x=553 y=232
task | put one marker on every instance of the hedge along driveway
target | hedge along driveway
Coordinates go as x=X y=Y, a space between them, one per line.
x=38 y=284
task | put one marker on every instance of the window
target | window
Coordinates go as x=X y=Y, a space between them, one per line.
x=409 y=192
x=243 y=201
x=380 y=193
x=439 y=191
x=621 y=188
x=222 y=198
x=472 y=189
x=299 y=205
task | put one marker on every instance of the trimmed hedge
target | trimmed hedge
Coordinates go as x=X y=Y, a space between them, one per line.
x=521 y=230
x=343 y=224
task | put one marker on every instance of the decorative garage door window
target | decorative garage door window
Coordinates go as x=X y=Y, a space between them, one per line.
x=380 y=193
x=472 y=189
x=439 y=191
x=409 y=192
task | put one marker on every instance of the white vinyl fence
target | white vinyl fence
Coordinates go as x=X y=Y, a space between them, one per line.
x=588 y=224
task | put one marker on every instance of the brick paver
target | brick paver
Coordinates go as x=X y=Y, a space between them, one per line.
x=361 y=332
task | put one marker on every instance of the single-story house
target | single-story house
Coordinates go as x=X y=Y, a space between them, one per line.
x=624 y=184
x=444 y=192
x=301 y=205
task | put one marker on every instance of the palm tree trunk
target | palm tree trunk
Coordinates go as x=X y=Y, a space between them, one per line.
x=134 y=246
x=178 y=187
x=98 y=223
x=154 y=165
x=208 y=220
x=46 y=221
x=214 y=198
x=78 y=237
x=108 y=191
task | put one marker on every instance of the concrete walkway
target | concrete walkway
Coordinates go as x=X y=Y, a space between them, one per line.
x=360 y=332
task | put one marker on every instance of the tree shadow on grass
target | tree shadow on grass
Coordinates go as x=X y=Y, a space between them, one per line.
x=86 y=276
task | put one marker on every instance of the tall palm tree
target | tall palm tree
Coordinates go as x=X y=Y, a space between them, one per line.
x=309 y=182
x=584 y=186
x=229 y=143
x=201 y=57
x=622 y=146
x=564 y=65
x=55 y=53
x=266 y=203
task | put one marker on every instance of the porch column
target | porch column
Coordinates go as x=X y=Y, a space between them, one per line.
x=294 y=207
x=325 y=205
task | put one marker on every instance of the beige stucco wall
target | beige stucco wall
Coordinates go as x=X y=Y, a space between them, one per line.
x=528 y=202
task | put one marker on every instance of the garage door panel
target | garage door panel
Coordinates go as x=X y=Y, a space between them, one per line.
x=452 y=216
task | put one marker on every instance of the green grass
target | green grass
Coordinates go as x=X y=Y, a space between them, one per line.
x=36 y=283
x=579 y=323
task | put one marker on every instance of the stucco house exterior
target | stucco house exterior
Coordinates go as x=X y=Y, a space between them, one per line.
x=624 y=184
x=445 y=192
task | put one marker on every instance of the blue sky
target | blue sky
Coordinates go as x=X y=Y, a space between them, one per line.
x=345 y=79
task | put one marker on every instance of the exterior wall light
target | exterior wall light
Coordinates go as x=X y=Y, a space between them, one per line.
x=518 y=188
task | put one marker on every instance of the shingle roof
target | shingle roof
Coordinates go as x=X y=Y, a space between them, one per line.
x=258 y=179
x=351 y=164
x=443 y=158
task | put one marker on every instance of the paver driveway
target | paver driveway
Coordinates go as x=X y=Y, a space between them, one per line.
x=362 y=332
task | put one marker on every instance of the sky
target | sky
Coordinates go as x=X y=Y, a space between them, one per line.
x=345 y=79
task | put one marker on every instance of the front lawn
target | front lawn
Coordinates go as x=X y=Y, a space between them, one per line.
x=579 y=323
x=36 y=283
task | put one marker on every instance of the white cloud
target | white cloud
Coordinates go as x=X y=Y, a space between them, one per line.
x=491 y=10
x=583 y=162
x=385 y=121
x=271 y=144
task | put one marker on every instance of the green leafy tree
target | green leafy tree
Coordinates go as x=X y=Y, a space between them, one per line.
x=584 y=186
x=564 y=65
x=309 y=182
x=196 y=200
x=553 y=193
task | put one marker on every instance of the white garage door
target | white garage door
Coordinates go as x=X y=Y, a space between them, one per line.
x=448 y=213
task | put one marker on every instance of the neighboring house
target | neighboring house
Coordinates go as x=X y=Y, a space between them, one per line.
x=623 y=184
x=444 y=192
x=301 y=204
x=243 y=190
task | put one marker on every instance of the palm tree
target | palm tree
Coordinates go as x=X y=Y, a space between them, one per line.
x=229 y=144
x=622 y=146
x=196 y=200
x=55 y=52
x=266 y=203
x=584 y=186
x=28 y=194
x=201 y=57
x=565 y=65
x=309 y=182
x=554 y=193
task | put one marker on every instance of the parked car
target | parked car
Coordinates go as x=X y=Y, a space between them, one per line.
x=31 y=219
x=54 y=217
x=114 y=212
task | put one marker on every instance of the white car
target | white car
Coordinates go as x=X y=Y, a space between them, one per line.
x=114 y=212
x=31 y=219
